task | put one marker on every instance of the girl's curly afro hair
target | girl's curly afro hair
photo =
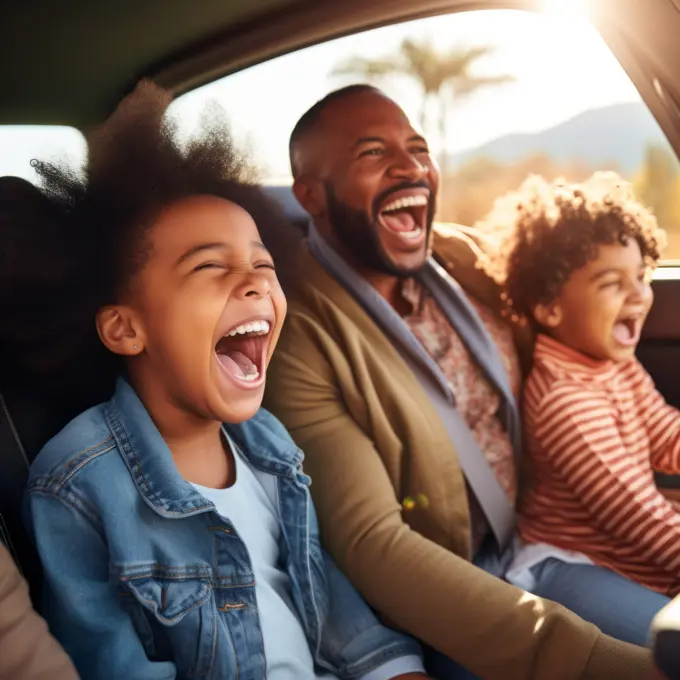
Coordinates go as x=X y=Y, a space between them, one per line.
x=546 y=230
x=69 y=246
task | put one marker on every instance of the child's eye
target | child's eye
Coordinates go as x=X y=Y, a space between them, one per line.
x=376 y=151
x=208 y=265
x=265 y=265
x=610 y=284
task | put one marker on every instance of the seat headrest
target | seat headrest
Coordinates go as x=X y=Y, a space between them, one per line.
x=295 y=213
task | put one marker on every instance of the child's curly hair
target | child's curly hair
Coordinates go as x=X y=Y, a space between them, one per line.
x=547 y=230
x=72 y=245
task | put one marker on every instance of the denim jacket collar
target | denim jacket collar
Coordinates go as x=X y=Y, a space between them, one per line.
x=154 y=472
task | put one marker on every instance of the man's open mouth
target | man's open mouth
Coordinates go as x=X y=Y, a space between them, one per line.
x=405 y=214
x=627 y=330
x=242 y=350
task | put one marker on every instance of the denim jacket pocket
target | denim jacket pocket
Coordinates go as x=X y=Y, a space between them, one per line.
x=172 y=611
x=169 y=601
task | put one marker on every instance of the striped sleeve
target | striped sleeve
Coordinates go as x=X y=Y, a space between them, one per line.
x=663 y=424
x=578 y=434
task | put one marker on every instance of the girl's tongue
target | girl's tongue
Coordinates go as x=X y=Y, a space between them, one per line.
x=241 y=356
x=625 y=332
x=238 y=365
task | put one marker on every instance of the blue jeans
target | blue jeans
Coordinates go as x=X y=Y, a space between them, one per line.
x=620 y=608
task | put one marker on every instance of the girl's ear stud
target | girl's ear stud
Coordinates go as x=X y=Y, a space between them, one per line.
x=134 y=346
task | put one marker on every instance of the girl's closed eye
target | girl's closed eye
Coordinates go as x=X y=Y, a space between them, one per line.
x=610 y=284
x=209 y=265
x=265 y=265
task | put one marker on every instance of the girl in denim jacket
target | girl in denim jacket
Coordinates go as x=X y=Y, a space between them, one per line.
x=174 y=521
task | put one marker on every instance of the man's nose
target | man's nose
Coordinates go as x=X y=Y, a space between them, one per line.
x=407 y=166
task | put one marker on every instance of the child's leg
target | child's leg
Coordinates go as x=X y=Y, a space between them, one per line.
x=619 y=607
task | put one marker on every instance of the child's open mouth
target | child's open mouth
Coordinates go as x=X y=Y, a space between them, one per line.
x=404 y=214
x=242 y=351
x=626 y=331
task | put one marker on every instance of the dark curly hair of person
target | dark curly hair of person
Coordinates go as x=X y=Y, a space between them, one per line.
x=70 y=246
x=545 y=231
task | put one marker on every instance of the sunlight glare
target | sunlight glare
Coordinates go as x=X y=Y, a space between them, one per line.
x=570 y=8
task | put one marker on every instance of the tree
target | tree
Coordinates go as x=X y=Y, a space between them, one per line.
x=657 y=185
x=441 y=76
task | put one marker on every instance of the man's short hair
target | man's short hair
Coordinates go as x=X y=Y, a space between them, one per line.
x=312 y=116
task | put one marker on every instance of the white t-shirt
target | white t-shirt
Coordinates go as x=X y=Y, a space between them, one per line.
x=251 y=504
x=254 y=514
x=528 y=555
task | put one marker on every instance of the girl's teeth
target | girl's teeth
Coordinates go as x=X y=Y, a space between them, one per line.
x=260 y=327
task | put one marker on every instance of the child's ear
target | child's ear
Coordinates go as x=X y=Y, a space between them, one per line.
x=310 y=194
x=548 y=316
x=120 y=331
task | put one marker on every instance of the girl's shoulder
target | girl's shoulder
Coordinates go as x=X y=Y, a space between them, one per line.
x=86 y=438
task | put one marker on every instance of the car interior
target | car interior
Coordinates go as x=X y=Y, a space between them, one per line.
x=69 y=63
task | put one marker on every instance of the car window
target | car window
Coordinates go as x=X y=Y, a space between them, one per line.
x=20 y=144
x=504 y=93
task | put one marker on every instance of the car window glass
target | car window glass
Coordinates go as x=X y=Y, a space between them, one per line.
x=20 y=144
x=521 y=93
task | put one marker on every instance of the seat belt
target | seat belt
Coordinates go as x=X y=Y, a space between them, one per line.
x=490 y=495
x=15 y=466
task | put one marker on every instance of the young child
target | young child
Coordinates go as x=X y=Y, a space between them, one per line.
x=575 y=262
x=175 y=546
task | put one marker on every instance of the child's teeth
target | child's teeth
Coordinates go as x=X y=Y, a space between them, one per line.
x=252 y=327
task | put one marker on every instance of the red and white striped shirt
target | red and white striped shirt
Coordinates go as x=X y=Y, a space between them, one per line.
x=596 y=432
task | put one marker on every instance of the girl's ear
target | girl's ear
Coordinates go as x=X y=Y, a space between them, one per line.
x=120 y=331
x=548 y=316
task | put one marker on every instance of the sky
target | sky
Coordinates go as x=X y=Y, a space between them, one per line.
x=560 y=65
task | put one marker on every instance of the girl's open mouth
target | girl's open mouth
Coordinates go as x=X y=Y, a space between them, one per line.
x=242 y=352
x=404 y=214
x=626 y=331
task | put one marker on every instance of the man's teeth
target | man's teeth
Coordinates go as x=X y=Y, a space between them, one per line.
x=405 y=202
x=259 y=327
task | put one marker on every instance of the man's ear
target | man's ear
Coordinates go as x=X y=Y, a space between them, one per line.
x=120 y=331
x=310 y=194
x=548 y=316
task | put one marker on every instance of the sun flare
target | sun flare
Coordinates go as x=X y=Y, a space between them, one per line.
x=570 y=8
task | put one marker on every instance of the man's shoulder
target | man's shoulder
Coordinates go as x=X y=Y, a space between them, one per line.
x=458 y=249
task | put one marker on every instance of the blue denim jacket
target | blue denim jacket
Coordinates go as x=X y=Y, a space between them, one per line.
x=145 y=580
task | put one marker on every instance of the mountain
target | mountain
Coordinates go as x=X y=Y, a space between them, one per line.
x=618 y=133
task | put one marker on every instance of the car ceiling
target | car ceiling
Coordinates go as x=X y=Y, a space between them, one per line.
x=70 y=62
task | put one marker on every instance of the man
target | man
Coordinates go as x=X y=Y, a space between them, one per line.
x=27 y=650
x=384 y=363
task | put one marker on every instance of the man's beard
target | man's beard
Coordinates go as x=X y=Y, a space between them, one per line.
x=359 y=233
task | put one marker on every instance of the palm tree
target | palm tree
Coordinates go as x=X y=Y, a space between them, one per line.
x=441 y=76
